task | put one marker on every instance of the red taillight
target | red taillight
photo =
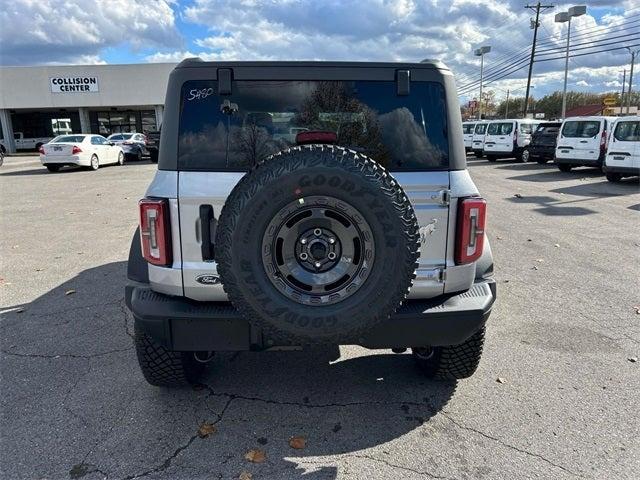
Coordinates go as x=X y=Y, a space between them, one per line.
x=155 y=231
x=76 y=150
x=472 y=214
x=41 y=150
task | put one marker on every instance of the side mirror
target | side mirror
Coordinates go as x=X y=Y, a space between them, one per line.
x=111 y=143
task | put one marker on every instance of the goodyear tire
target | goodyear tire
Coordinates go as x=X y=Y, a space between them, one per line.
x=452 y=362
x=162 y=367
x=317 y=244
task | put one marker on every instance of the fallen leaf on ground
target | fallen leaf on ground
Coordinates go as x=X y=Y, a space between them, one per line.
x=245 y=476
x=19 y=310
x=206 y=429
x=70 y=292
x=529 y=240
x=255 y=455
x=535 y=267
x=637 y=309
x=557 y=245
x=517 y=195
x=633 y=359
x=501 y=380
x=540 y=260
x=499 y=237
x=298 y=442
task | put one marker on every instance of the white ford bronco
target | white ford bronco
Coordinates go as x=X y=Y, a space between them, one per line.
x=299 y=203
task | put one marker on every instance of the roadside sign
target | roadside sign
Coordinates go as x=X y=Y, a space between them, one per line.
x=609 y=101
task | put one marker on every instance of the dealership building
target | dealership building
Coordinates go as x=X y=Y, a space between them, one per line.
x=42 y=102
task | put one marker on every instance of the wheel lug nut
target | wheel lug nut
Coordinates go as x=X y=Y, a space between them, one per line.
x=303 y=256
x=303 y=241
x=332 y=240
x=317 y=232
x=318 y=264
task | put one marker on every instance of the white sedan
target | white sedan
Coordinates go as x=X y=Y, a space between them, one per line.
x=82 y=150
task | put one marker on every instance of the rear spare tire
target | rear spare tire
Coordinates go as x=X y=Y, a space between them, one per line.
x=317 y=244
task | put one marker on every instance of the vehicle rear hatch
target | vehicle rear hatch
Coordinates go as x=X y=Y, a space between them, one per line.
x=221 y=136
x=580 y=139
x=499 y=137
x=545 y=136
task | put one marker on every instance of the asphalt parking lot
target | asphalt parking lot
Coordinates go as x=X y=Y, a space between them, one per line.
x=562 y=339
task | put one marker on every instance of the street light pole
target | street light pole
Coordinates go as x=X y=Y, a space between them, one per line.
x=561 y=18
x=479 y=52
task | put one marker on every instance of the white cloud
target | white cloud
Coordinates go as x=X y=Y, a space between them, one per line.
x=582 y=83
x=77 y=31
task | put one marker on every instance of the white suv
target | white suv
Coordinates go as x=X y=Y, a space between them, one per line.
x=364 y=227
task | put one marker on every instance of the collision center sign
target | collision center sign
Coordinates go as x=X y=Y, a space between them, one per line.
x=73 y=84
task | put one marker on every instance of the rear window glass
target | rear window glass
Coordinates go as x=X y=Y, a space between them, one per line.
x=503 y=128
x=527 y=127
x=581 y=128
x=116 y=137
x=481 y=128
x=627 y=131
x=467 y=128
x=548 y=129
x=68 y=139
x=259 y=118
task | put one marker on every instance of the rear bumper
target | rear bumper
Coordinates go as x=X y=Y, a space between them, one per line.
x=627 y=171
x=579 y=161
x=62 y=160
x=184 y=325
x=542 y=152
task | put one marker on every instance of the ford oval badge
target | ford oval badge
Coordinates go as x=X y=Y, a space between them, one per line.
x=208 y=279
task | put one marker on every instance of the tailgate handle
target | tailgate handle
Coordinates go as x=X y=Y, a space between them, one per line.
x=208 y=224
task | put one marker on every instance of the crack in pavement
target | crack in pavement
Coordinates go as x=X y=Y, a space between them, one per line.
x=169 y=460
x=64 y=355
x=505 y=444
x=396 y=466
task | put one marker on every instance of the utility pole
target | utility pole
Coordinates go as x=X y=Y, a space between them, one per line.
x=624 y=79
x=633 y=59
x=506 y=112
x=537 y=7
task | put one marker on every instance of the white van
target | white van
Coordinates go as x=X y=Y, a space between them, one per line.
x=623 y=151
x=507 y=138
x=478 y=138
x=467 y=134
x=582 y=141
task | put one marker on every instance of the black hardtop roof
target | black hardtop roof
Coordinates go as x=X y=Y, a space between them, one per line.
x=197 y=62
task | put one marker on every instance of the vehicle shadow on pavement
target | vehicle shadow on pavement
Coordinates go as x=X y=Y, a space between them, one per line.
x=68 y=361
x=626 y=186
x=20 y=172
x=555 y=175
x=552 y=206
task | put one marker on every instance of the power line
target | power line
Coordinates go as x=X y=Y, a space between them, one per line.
x=580 y=46
x=590 y=53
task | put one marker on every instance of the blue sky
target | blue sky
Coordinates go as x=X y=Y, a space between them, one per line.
x=120 y=31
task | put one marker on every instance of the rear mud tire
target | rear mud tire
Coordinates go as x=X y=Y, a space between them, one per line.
x=53 y=168
x=165 y=368
x=613 y=177
x=250 y=269
x=452 y=362
x=563 y=167
x=492 y=158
